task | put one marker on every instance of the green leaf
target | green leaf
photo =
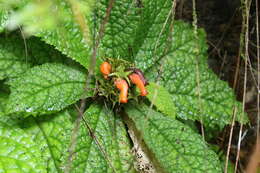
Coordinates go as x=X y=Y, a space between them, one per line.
x=133 y=28
x=46 y=88
x=215 y=100
x=69 y=41
x=154 y=28
x=18 y=151
x=120 y=29
x=52 y=134
x=111 y=136
x=161 y=98
x=174 y=145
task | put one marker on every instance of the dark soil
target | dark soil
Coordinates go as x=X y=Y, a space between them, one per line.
x=222 y=21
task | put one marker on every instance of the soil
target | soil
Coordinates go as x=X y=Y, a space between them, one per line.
x=222 y=21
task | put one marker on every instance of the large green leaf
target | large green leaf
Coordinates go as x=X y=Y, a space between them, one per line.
x=133 y=27
x=174 y=145
x=178 y=73
x=69 y=40
x=46 y=88
x=151 y=38
x=115 y=155
x=51 y=134
x=120 y=29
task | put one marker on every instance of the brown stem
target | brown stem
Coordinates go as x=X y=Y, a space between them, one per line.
x=88 y=79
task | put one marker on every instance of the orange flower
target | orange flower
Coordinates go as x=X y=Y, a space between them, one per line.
x=122 y=85
x=141 y=75
x=135 y=79
x=105 y=69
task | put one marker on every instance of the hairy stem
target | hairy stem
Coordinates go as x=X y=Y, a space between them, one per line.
x=79 y=17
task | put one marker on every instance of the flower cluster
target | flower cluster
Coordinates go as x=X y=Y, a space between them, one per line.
x=122 y=80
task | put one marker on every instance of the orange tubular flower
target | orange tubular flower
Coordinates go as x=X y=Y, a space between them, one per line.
x=135 y=79
x=122 y=85
x=141 y=75
x=105 y=69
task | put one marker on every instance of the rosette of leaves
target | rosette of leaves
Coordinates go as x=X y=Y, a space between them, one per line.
x=44 y=87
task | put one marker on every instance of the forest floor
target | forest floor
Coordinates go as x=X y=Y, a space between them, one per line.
x=222 y=21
